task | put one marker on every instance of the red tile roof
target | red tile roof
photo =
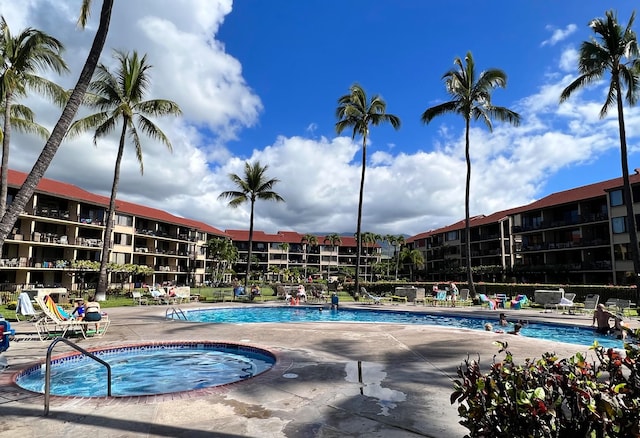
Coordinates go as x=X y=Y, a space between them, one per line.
x=69 y=191
x=282 y=237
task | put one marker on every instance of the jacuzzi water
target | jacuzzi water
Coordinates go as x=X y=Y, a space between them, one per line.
x=571 y=334
x=150 y=369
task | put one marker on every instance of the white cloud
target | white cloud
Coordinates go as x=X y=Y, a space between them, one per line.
x=319 y=176
x=559 y=34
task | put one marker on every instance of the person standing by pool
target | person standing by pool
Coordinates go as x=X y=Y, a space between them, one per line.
x=334 y=301
x=601 y=318
x=454 y=293
x=302 y=293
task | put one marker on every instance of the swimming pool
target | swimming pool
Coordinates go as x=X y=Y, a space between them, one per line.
x=553 y=332
x=150 y=369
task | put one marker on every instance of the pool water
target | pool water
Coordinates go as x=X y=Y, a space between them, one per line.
x=148 y=370
x=584 y=336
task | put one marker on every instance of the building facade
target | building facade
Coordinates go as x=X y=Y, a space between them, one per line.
x=577 y=236
x=287 y=251
x=62 y=224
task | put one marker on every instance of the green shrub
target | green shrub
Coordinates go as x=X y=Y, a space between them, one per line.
x=552 y=397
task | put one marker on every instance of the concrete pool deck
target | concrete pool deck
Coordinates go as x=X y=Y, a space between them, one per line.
x=330 y=380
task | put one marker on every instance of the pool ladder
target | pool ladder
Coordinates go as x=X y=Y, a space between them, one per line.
x=174 y=313
x=47 y=375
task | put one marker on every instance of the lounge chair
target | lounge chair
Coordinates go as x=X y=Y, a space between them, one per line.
x=25 y=308
x=158 y=296
x=519 y=302
x=56 y=322
x=464 y=298
x=491 y=303
x=138 y=299
x=441 y=298
x=367 y=296
x=619 y=305
x=590 y=303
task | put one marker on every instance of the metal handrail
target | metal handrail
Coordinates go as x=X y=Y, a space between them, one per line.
x=177 y=312
x=47 y=376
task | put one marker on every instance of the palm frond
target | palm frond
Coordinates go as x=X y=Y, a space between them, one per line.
x=87 y=123
x=435 y=111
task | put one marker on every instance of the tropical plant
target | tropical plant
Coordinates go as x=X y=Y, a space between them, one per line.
x=614 y=52
x=224 y=254
x=23 y=56
x=398 y=243
x=356 y=112
x=412 y=257
x=308 y=240
x=124 y=272
x=471 y=98
x=369 y=241
x=68 y=113
x=253 y=186
x=389 y=239
x=551 y=397
x=119 y=97
x=334 y=240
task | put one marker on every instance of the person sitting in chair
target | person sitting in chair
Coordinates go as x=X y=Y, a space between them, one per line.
x=92 y=313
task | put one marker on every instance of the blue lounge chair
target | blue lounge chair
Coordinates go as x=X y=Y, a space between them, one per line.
x=488 y=301
x=519 y=302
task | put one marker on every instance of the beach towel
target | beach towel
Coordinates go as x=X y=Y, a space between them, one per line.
x=25 y=306
x=57 y=310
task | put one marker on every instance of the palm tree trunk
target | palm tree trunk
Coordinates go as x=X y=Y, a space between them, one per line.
x=5 y=154
x=467 y=225
x=246 y=278
x=628 y=198
x=397 y=260
x=359 y=224
x=57 y=135
x=103 y=279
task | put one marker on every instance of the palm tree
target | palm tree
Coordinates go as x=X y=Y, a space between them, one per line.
x=252 y=187
x=119 y=97
x=224 y=254
x=66 y=118
x=615 y=52
x=390 y=239
x=413 y=257
x=356 y=112
x=334 y=240
x=367 y=238
x=471 y=98
x=399 y=241
x=22 y=56
x=307 y=241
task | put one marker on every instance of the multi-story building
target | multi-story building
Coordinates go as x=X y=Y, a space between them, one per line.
x=575 y=236
x=288 y=250
x=62 y=223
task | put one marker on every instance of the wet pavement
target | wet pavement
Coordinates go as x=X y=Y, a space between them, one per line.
x=330 y=379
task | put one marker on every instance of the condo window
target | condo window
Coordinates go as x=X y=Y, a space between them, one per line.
x=615 y=198
x=621 y=251
x=619 y=225
x=123 y=220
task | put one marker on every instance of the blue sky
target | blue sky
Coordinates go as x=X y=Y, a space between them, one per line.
x=259 y=80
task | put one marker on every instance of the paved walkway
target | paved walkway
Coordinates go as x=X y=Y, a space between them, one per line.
x=313 y=391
